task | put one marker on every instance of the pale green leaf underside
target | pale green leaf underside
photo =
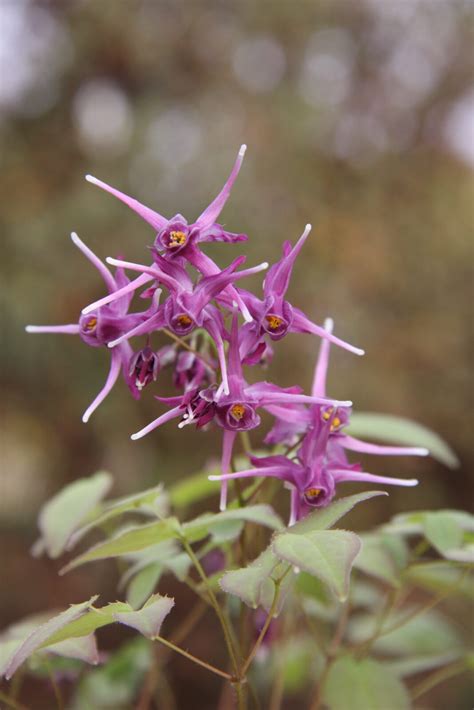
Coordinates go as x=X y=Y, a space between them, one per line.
x=398 y=430
x=327 y=554
x=68 y=509
x=364 y=685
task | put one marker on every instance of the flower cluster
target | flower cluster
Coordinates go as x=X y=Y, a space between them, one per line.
x=217 y=327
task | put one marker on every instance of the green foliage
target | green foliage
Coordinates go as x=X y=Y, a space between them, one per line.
x=309 y=562
x=115 y=685
x=67 y=510
x=254 y=584
x=70 y=633
x=327 y=554
x=149 y=618
x=194 y=488
x=152 y=502
x=398 y=430
x=324 y=518
x=364 y=685
x=45 y=634
x=376 y=559
x=428 y=633
x=223 y=526
x=440 y=577
x=448 y=531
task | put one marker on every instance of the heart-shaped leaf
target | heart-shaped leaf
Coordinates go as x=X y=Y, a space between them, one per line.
x=327 y=554
x=364 y=685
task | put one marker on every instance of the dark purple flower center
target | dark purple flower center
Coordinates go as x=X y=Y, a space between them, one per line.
x=275 y=325
x=144 y=367
x=173 y=237
x=90 y=330
x=238 y=416
x=321 y=492
x=335 y=417
x=182 y=324
x=90 y=325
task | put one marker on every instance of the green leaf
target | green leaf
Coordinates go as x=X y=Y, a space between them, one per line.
x=152 y=501
x=363 y=685
x=428 y=633
x=328 y=554
x=94 y=619
x=69 y=508
x=133 y=539
x=82 y=648
x=297 y=661
x=398 y=430
x=194 y=489
x=138 y=538
x=252 y=584
x=217 y=523
x=442 y=530
x=116 y=685
x=411 y=665
x=441 y=577
x=149 y=618
x=376 y=560
x=45 y=634
x=407 y=524
x=461 y=554
x=324 y=518
x=143 y=585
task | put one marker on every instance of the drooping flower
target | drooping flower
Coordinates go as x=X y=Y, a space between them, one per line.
x=144 y=367
x=321 y=461
x=176 y=238
x=189 y=305
x=236 y=409
x=103 y=325
x=274 y=316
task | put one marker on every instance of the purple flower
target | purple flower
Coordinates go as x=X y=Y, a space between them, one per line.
x=321 y=462
x=101 y=326
x=190 y=371
x=235 y=410
x=144 y=367
x=274 y=316
x=175 y=236
x=189 y=305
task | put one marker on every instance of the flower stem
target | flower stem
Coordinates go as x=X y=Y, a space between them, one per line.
x=190 y=657
x=437 y=677
x=184 y=344
x=215 y=604
x=268 y=621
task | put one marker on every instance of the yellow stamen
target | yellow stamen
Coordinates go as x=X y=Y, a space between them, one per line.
x=177 y=239
x=335 y=423
x=91 y=324
x=183 y=320
x=238 y=411
x=274 y=322
x=327 y=414
x=312 y=492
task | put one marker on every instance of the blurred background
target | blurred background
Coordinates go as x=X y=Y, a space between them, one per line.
x=358 y=118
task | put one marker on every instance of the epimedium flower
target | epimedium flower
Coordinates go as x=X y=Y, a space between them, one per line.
x=321 y=461
x=189 y=305
x=236 y=409
x=274 y=316
x=144 y=367
x=178 y=239
x=175 y=236
x=104 y=324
